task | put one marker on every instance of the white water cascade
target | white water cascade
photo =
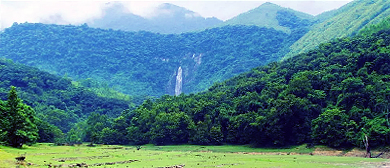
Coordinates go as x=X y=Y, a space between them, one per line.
x=179 y=82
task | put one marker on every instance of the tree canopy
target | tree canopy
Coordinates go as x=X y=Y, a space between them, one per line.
x=17 y=121
x=332 y=95
x=144 y=64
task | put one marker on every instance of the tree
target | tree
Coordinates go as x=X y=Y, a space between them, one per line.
x=48 y=132
x=19 y=121
x=3 y=122
x=333 y=128
x=95 y=124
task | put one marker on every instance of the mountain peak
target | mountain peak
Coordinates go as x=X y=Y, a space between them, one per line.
x=265 y=15
x=165 y=18
x=171 y=10
x=269 y=4
x=169 y=6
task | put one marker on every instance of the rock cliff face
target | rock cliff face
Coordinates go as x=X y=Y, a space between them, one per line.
x=184 y=74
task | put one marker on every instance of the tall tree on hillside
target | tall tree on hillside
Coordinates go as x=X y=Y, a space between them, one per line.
x=3 y=123
x=18 y=121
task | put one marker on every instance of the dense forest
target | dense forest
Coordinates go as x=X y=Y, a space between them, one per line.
x=55 y=99
x=333 y=95
x=145 y=64
x=343 y=22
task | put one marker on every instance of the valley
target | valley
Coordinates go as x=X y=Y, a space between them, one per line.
x=270 y=87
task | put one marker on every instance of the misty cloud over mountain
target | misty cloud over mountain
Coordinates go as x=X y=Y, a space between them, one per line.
x=166 y=18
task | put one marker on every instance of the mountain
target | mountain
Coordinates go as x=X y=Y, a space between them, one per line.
x=166 y=18
x=343 y=22
x=56 y=99
x=271 y=15
x=333 y=95
x=144 y=63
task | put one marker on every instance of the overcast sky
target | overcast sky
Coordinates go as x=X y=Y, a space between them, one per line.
x=78 y=12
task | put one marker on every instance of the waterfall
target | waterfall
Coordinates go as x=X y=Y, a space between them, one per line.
x=179 y=83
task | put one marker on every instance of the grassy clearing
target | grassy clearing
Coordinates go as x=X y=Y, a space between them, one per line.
x=228 y=148
x=40 y=155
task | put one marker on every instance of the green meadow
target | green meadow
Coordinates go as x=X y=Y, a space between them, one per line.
x=46 y=155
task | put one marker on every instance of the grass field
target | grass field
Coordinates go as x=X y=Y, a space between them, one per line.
x=43 y=155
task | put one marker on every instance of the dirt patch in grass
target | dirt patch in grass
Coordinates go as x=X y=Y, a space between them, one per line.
x=114 y=148
x=91 y=165
x=175 y=166
x=322 y=152
x=36 y=154
x=273 y=153
x=80 y=158
x=228 y=164
x=355 y=153
x=325 y=152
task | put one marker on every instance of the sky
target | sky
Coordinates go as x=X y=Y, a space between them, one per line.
x=79 y=12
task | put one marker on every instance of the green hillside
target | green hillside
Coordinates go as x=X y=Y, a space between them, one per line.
x=269 y=15
x=333 y=95
x=56 y=100
x=142 y=63
x=383 y=25
x=346 y=21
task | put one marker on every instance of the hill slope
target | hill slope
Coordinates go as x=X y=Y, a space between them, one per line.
x=333 y=95
x=55 y=99
x=269 y=15
x=167 y=19
x=346 y=21
x=143 y=63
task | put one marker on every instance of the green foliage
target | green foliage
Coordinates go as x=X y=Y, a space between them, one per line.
x=141 y=64
x=3 y=122
x=331 y=95
x=272 y=16
x=48 y=132
x=96 y=123
x=383 y=25
x=378 y=129
x=55 y=100
x=76 y=135
x=344 y=22
x=331 y=128
x=18 y=121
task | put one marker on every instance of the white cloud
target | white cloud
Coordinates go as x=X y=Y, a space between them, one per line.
x=313 y=7
x=60 y=12
x=78 y=12
x=142 y=8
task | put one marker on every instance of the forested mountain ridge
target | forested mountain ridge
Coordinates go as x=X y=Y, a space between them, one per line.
x=333 y=95
x=272 y=16
x=55 y=99
x=143 y=63
x=345 y=21
x=166 y=18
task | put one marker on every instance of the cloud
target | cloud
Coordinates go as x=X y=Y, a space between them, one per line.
x=225 y=10
x=220 y=9
x=78 y=12
x=142 y=8
x=58 y=12
x=313 y=7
